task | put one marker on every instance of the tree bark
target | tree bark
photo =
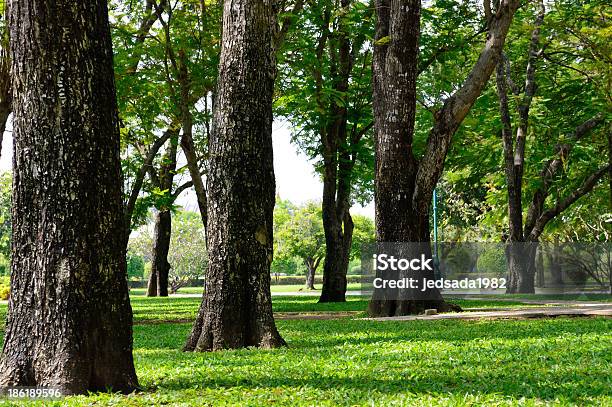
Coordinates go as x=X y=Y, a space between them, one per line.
x=69 y=322
x=521 y=259
x=160 y=267
x=236 y=311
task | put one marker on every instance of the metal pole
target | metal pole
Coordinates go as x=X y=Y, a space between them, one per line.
x=435 y=227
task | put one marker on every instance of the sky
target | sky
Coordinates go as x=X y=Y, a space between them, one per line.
x=295 y=176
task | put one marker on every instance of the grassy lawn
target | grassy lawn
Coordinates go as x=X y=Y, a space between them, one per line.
x=275 y=289
x=564 y=361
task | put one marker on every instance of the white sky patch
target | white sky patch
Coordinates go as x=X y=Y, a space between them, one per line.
x=295 y=176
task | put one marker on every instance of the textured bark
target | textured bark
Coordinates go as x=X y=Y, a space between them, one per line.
x=236 y=311
x=160 y=267
x=69 y=319
x=404 y=185
x=521 y=260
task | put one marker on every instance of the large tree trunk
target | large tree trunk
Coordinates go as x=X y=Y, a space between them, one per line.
x=405 y=184
x=69 y=323
x=338 y=239
x=236 y=310
x=397 y=218
x=521 y=260
x=160 y=267
x=311 y=266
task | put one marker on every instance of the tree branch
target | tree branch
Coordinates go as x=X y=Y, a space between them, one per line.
x=586 y=187
x=552 y=167
x=142 y=171
x=286 y=23
x=457 y=106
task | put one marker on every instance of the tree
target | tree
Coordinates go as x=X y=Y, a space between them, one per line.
x=364 y=234
x=188 y=257
x=404 y=181
x=325 y=87
x=301 y=236
x=135 y=266
x=237 y=309
x=163 y=180
x=68 y=279
x=152 y=101
x=525 y=229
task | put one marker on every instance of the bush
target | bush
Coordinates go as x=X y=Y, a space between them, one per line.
x=4 y=288
x=135 y=266
x=492 y=261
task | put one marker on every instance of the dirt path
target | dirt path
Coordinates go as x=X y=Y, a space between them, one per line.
x=579 y=310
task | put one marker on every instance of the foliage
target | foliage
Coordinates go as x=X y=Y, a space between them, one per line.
x=188 y=256
x=148 y=60
x=6 y=180
x=307 y=79
x=573 y=84
x=364 y=234
x=5 y=288
x=135 y=266
x=492 y=260
x=299 y=232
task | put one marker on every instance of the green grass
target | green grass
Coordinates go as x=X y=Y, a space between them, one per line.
x=563 y=361
x=274 y=288
x=182 y=308
x=185 y=308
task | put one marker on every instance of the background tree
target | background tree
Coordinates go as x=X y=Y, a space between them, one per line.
x=188 y=256
x=68 y=279
x=236 y=310
x=325 y=95
x=299 y=233
x=528 y=227
x=185 y=42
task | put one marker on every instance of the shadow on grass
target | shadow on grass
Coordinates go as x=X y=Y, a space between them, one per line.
x=565 y=359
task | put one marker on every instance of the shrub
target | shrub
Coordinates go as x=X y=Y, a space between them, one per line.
x=135 y=266
x=4 y=288
x=492 y=261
